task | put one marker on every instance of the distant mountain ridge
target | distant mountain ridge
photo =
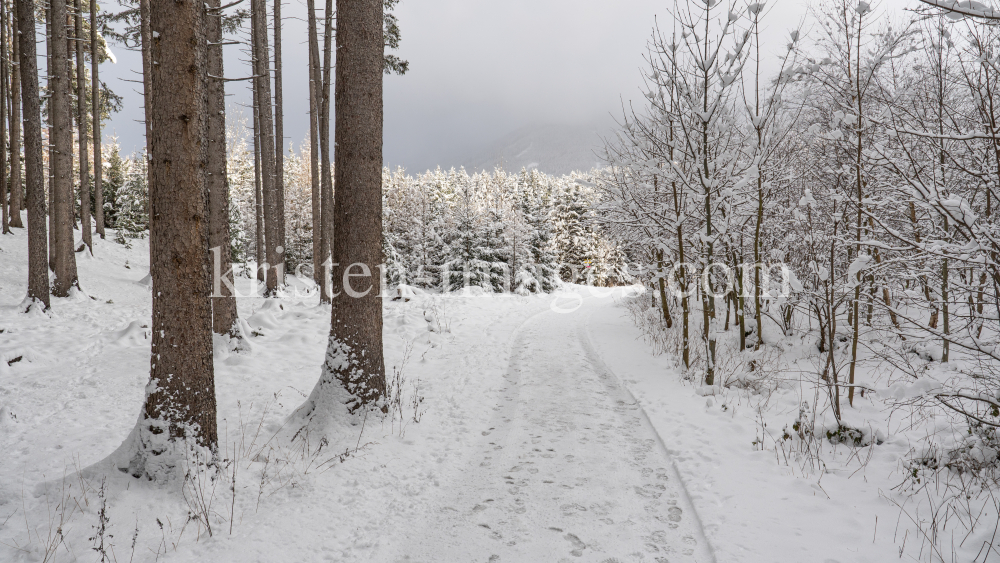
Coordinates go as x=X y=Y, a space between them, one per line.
x=551 y=148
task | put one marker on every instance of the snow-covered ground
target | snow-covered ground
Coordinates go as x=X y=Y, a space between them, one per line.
x=527 y=429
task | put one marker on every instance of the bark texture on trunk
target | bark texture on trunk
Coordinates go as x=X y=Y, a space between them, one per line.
x=62 y=147
x=258 y=196
x=265 y=130
x=314 y=81
x=146 y=36
x=73 y=115
x=83 y=134
x=224 y=314
x=354 y=355
x=326 y=186
x=180 y=404
x=4 y=95
x=279 y=140
x=51 y=192
x=16 y=183
x=95 y=85
x=50 y=140
x=38 y=272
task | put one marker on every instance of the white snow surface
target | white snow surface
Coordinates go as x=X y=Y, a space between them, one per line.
x=543 y=435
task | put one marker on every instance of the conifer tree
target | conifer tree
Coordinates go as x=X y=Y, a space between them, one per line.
x=463 y=267
x=573 y=240
x=493 y=254
x=224 y=315
x=542 y=266
x=96 y=55
x=60 y=108
x=179 y=414
x=38 y=273
x=131 y=204
x=114 y=181
x=430 y=250
x=16 y=201
x=83 y=136
x=353 y=375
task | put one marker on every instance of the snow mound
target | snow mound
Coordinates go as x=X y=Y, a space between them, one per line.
x=266 y=316
x=136 y=333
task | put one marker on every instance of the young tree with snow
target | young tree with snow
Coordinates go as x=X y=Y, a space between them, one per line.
x=699 y=70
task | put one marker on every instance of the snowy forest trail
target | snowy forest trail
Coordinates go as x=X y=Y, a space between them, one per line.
x=569 y=468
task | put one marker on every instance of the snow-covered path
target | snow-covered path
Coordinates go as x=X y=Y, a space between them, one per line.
x=569 y=469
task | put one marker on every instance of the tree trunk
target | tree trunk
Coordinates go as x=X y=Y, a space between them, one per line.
x=326 y=202
x=727 y=300
x=9 y=114
x=224 y=315
x=84 y=137
x=16 y=184
x=356 y=333
x=49 y=83
x=257 y=195
x=945 y=329
x=267 y=170
x=979 y=305
x=38 y=273
x=860 y=184
x=685 y=303
x=16 y=202
x=258 y=205
x=4 y=217
x=314 y=81
x=663 y=292
x=707 y=299
x=181 y=404
x=757 y=265
x=62 y=145
x=73 y=115
x=354 y=371
x=146 y=36
x=741 y=300
x=95 y=85
x=279 y=143
x=831 y=315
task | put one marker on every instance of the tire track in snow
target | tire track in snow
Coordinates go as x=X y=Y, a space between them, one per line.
x=569 y=469
x=616 y=382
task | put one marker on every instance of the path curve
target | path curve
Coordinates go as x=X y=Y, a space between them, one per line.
x=569 y=468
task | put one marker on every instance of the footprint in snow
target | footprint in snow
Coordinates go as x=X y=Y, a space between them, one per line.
x=578 y=545
x=674 y=513
x=601 y=509
x=649 y=491
x=658 y=537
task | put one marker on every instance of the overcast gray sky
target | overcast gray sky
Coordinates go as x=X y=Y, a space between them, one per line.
x=479 y=69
